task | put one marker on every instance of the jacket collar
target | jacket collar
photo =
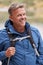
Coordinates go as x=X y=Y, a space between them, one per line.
x=9 y=26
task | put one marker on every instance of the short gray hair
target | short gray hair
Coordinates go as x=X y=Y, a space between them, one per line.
x=15 y=6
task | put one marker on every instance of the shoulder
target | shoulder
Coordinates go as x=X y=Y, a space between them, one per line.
x=3 y=35
x=35 y=30
x=3 y=32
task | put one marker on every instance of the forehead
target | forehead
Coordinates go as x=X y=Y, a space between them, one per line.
x=19 y=10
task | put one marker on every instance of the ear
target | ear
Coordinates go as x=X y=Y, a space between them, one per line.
x=10 y=17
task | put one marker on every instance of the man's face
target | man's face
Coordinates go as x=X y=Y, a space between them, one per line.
x=18 y=17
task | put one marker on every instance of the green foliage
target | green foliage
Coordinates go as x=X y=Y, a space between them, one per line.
x=7 y=2
x=40 y=0
x=30 y=13
x=40 y=20
x=3 y=16
x=29 y=2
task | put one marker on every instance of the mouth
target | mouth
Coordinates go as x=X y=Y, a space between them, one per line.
x=23 y=20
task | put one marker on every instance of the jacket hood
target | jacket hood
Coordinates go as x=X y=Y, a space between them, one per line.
x=9 y=26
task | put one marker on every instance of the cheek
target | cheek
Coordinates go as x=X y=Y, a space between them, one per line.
x=25 y=17
x=15 y=19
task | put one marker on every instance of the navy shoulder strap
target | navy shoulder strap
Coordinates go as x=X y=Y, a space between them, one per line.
x=11 y=37
x=28 y=28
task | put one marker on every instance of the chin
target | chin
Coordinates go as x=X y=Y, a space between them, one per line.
x=23 y=25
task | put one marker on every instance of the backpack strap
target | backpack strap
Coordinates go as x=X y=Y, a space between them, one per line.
x=11 y=37
x=32 y=41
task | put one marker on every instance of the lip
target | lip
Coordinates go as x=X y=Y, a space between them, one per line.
x=22 y=20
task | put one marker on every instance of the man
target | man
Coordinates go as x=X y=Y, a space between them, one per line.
x=20 y=52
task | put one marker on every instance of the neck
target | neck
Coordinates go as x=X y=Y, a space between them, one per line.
x=19 y=29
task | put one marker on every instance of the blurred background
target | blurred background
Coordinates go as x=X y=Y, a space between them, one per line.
x=34 y=10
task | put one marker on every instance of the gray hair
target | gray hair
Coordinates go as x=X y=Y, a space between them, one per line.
x=15 y=6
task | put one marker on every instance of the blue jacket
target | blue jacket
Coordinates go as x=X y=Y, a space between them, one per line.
x=25 y=54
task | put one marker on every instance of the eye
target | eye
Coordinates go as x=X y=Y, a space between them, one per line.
x=19 y=15
x=24 y=14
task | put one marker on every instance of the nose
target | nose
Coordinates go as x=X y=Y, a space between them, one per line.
x=23 y=16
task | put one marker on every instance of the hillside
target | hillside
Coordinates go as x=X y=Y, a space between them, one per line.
x=34 y=8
